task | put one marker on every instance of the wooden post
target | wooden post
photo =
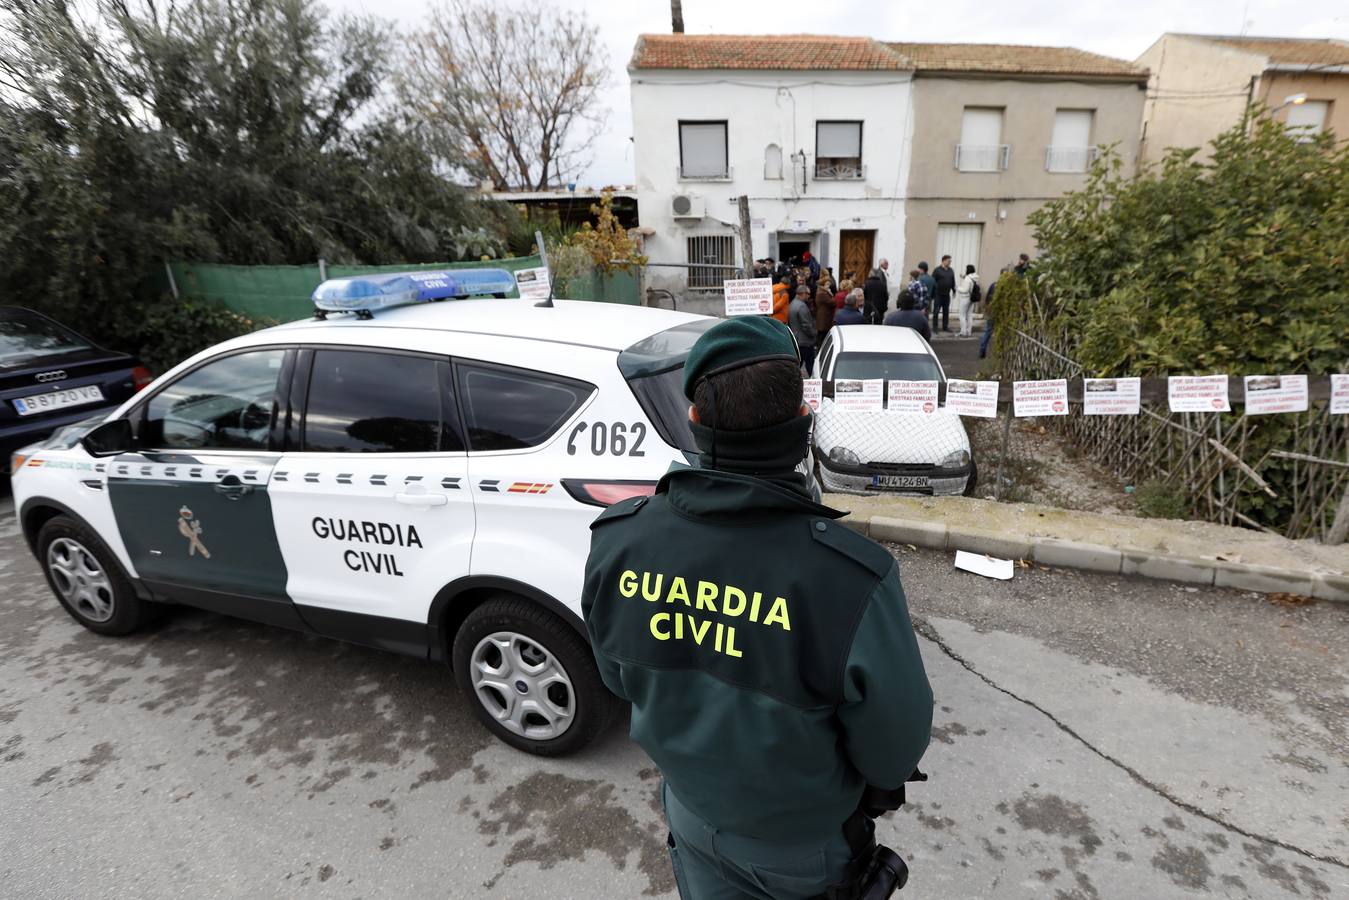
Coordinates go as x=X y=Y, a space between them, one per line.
x=746 y=248
x=676 y=16
x=1002 y=456
x=1339 y=529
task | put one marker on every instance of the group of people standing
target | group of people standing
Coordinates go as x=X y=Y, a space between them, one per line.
x=807 y=299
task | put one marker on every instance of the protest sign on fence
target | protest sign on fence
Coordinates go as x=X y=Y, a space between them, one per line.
x=1111 y=396
x=911 y=397
x=748 y=296
x=1197 y=393
x=1339 y=394
x=1275 y=394
x=972 y=398
x=1040 y=398
x=533 y=283
x=811 y=392
x=860 y=395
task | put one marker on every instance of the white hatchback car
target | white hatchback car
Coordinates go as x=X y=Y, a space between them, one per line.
x=865 y=452
x=420 y=481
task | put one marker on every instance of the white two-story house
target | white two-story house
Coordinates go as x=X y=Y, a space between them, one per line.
x=815 y=131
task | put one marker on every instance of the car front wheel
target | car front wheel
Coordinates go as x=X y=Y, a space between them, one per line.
x=530 y=678
x=87 y=580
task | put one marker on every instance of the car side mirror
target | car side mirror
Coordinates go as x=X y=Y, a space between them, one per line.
x=110 y=438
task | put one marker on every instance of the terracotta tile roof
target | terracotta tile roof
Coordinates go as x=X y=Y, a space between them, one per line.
x=1013 y=59
x=787 y=51
x=1287 y=51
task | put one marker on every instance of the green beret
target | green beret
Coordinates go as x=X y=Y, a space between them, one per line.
x=737 y=342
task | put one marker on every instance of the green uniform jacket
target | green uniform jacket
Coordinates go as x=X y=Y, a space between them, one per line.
x=766 y=650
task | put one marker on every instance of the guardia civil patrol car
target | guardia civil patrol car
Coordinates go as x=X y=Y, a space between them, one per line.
x=416 y=476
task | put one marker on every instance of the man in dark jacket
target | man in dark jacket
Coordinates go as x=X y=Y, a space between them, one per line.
x=909 y=316
x=850 y=314
x=766 y=650
x=876 y=297
x=944 y=281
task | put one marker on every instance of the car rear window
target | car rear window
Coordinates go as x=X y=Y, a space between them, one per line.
x=511 y=409
x=654 y=369
x=26 y=336
x=890 y=366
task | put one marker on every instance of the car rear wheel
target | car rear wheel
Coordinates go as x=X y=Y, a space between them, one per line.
x=87 y=580
x=530 y=678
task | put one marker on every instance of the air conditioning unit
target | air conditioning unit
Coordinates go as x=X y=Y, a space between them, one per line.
x=687 y=206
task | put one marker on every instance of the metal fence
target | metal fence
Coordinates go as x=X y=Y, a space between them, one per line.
x=1291 y=470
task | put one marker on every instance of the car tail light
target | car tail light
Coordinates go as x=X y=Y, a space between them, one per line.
x=607 y=493
x=141 y=376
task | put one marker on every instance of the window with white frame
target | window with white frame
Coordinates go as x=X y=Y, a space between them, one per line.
x=838 y=150
x=981 y=148
x=703 y=150
x=708 y=255
x=1307 y=119
x=1070 y=148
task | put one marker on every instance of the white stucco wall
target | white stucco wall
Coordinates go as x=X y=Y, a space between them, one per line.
x=763 y=108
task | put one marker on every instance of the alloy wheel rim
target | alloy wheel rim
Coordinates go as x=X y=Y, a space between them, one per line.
x=80 y=580
x=522 y=685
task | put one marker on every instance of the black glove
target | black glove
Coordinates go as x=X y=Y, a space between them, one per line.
x=876 y=802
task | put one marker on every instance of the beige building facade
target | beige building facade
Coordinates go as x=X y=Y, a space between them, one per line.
x=1001 y=130
x=1201 y=85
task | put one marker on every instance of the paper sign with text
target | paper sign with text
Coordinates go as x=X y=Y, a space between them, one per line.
x=748 y=296
x=811 y=391
x=1339 y=394
x=860 y=395
x=1110 y=396
x=911 y=397
x=1197 y=393
x=1040 y=398
x=972 y=398
x=533 y=283
x=1275 y=394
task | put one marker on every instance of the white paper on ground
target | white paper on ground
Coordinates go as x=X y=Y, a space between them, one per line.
x=987 y=566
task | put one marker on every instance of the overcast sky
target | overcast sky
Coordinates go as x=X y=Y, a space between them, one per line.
x=1117 y=29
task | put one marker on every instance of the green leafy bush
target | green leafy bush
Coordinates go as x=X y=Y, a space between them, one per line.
x=1238 y=265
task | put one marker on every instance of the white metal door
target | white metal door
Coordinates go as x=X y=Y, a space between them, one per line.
x=961 y=241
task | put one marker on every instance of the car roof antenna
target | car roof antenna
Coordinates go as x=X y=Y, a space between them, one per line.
x=543 y=254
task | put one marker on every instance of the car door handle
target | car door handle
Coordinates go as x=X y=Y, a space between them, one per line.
x=421 y=499
x=231 y=488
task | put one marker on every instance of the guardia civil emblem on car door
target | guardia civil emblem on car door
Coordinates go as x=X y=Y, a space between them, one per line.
x=190 y=528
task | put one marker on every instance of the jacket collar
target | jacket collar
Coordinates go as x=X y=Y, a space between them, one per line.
x=715 y=494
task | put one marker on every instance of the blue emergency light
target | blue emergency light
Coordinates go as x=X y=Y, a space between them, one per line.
x=363 y=294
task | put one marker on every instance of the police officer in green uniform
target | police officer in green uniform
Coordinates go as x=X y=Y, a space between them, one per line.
x=766 y=650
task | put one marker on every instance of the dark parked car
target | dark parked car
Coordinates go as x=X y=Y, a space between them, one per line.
x=51 y=376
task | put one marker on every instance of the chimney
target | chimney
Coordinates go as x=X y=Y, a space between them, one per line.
x=677 y=16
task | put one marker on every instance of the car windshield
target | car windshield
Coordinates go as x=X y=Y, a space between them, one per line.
x=26 y=336
x=654 y=368
x=889 y=366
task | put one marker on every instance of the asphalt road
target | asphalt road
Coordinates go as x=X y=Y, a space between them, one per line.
x=1096 y=738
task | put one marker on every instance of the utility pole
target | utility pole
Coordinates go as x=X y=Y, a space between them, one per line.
x=746 y=249
x=677 y=16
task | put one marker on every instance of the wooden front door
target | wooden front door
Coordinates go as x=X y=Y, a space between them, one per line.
x=855 y=254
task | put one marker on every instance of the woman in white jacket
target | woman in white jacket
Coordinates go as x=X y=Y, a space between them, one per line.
x=963 y=291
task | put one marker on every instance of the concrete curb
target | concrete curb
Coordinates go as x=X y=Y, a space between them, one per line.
x=1109 y=560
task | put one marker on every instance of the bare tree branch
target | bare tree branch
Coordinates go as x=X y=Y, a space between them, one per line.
x=514 y=91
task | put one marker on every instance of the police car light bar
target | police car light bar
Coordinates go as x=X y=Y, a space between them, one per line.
x=363 y=294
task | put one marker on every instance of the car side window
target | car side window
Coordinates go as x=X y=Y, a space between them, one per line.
x=510 y=409
x=225 y=404
x=363 y=401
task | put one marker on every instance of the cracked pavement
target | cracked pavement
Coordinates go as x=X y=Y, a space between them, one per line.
x=1095 y=737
